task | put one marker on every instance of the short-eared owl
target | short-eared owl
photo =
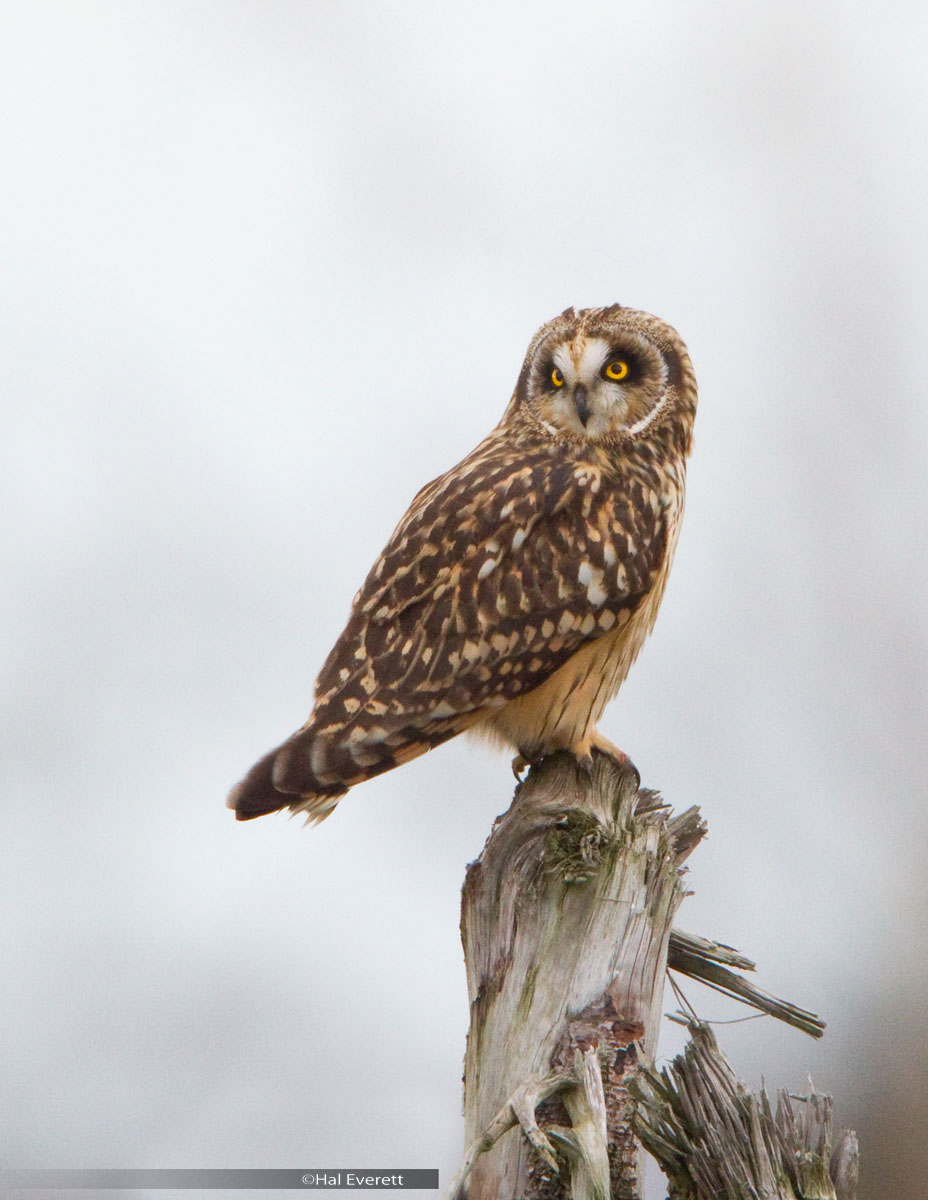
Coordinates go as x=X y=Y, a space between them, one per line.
x=517 y=590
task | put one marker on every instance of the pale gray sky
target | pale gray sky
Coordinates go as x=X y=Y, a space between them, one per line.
x=268 y=268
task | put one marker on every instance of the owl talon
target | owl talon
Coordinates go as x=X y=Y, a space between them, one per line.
x=520 y=764
x=621 y=760
x=603 y=746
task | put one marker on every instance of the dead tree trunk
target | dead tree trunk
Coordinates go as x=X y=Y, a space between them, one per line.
x=567 y=921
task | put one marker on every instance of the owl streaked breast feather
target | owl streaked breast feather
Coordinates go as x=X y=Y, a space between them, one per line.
x=516 y=591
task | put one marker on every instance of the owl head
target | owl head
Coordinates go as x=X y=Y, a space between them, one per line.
x=605 y=375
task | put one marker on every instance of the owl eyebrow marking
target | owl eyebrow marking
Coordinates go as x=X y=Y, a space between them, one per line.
x=560 y=361
x=590 y=354
x=625 y=354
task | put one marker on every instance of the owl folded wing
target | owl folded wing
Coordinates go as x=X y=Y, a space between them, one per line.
x=495 y=577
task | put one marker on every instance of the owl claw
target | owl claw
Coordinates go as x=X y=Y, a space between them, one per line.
x=621 y=759
x=520 y=764
x=603 y=746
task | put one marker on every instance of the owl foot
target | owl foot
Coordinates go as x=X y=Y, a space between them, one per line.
x=520 y=764
x=619 y=757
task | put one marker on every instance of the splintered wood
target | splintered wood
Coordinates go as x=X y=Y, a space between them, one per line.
x=715 y=1140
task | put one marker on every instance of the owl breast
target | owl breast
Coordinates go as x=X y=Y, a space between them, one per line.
x=563 y=712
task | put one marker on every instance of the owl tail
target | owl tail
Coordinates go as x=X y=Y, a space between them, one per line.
x=257 y=794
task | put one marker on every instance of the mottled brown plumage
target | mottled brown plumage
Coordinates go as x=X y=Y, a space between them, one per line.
x=517 y=590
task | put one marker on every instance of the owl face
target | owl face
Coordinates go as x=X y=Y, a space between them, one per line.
x=600 y=375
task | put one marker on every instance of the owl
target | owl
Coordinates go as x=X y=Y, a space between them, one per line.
x=518 y=589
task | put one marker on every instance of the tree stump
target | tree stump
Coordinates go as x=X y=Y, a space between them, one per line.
x=566 y=920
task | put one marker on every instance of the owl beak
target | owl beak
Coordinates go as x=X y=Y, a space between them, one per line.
x=581 y=405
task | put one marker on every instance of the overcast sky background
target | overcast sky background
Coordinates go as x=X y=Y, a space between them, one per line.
x=268 y=267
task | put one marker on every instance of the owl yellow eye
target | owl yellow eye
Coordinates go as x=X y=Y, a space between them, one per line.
x=556 y=377
x=617 y=369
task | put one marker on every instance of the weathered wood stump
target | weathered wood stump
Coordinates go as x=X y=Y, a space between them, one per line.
x=566 y=920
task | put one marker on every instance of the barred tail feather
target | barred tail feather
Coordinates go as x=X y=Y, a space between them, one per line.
x=311 y=771
x=260 y=793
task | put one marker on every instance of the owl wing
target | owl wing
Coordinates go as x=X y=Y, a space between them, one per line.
x=498 y=573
